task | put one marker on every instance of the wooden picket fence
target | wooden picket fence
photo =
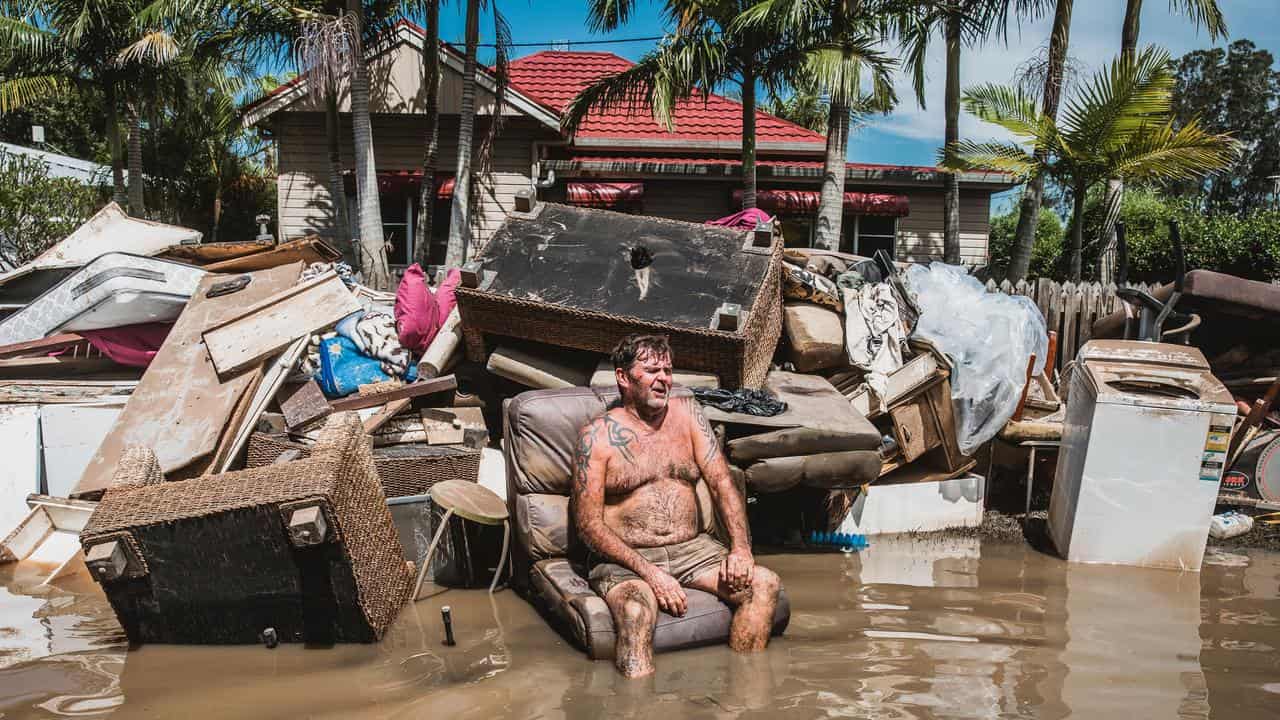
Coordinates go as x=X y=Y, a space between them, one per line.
x=1069 y=309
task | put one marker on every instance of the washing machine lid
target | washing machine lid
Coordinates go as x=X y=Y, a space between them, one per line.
x=1158 y=386
x=1136 y=351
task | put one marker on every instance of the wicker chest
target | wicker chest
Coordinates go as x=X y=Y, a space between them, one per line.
x=583 y=278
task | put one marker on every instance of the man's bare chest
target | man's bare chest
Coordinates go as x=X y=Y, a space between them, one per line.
x=641 y=458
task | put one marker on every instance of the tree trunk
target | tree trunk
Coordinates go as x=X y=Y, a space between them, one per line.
x=827 y=232
x=460 y=217
x=118 y=193
x=748 y=138
x=1115 y=186
x=431 y=149
x=1029 y=215
x=137 y=203
x=951 y=181
x=1077 y=231
x=373 y=251
x=337 y=188
x=217 y=212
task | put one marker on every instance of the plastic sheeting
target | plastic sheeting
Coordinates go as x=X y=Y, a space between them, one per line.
x=989 y=338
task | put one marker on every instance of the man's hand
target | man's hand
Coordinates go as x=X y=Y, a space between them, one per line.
x=737 y=569
x=671 y=597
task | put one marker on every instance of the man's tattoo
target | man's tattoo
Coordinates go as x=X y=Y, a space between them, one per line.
x=705 y=428
x=620 y=437
x=583 y=458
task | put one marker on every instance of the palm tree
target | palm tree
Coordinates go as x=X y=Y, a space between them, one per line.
x=48 y=47
x=431 y=135
x=372 y=245
x=836 y=45
x=1118 y=125
x=1202 y=13
x=805 y=106
x=460 y=215
x=962 y=22
x=705 y=50
x=1024 y=237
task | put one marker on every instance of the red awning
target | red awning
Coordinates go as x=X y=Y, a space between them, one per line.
x=803 y=201
x=603 y=194
x=397 y=180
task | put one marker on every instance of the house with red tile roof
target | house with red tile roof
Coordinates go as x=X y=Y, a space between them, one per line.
x=619 y=158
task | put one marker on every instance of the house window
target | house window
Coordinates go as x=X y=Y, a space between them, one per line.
x=861 y=234
x=872 y=233
x=397 y=211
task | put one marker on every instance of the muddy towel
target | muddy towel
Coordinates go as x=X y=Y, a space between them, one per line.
x=874 y=334
x=760 y=403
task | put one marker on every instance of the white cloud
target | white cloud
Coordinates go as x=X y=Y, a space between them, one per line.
x=1095 y=40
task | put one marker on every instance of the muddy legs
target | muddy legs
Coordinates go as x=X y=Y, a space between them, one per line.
x=635 y=610
x=753 y=607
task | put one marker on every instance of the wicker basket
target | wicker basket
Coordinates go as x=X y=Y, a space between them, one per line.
x=740 y=358
x=403 y=470
x=212 y=560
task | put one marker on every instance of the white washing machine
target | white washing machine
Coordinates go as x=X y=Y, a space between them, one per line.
x=1143 y=449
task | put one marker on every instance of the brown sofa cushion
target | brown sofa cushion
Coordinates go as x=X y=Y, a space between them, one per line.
x=828 y=471
x=542 y=524
x=815 y=336
x=800 y=441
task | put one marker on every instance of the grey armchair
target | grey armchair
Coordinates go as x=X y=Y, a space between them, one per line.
x=541 y=431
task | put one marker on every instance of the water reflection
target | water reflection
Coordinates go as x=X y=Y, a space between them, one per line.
x=909 y=628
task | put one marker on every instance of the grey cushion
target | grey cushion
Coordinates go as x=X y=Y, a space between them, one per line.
x=565 y=595
x=801 y=441
x=542 y=524
x=829 y=471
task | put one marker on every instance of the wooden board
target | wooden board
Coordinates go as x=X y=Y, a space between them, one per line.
x=273 y=376
x=43 y=346
x=303 y=403
x=180 y=407
x=305 y=250
x=412 y=390
x=205 y=253
x=270 y=325
x=380 y=418
x=57 y=367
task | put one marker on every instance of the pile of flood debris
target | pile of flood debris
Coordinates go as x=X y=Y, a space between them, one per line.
x=239 y=436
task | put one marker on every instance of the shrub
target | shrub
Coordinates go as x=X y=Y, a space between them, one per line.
x=36 y=210
x=1046 y=255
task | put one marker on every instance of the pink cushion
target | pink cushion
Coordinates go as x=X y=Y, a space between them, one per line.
x=419 y=312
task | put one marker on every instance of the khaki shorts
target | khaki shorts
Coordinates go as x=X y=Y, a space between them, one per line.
x=683 y=561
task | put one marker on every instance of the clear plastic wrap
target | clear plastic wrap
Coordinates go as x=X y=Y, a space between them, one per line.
x=988 y=336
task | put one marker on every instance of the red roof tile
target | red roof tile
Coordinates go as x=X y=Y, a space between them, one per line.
x=554 y=78
x=735 y=162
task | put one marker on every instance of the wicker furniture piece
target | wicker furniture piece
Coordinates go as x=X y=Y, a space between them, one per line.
x=584 y=278
x=307 y=548
x=404 y=470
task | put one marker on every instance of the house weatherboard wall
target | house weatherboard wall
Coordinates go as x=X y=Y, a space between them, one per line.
x=618 y=159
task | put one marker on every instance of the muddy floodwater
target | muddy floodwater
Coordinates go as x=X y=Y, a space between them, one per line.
x=909 y=628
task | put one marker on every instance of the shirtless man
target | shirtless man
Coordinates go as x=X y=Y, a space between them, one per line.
x=634 y=505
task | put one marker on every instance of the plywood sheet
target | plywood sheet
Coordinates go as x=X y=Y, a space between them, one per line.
x=268 y=326
x=307 y=250
x=180 y=406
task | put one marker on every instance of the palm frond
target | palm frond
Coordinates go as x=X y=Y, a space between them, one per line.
x=608 y=15
x=843 y=71
x=1162 y=153
x=1204 y=13
x=967 y=156
x=19 y=91
x=157 y=47
x=1010 y=108
x=1132 y=93
x=20 y=38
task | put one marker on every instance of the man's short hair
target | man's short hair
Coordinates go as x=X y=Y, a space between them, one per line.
x=626 y=353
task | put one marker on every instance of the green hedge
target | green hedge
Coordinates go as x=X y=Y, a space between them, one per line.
x=36 y=210
x=1246 y=246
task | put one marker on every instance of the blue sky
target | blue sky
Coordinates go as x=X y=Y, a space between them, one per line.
x=910 y=135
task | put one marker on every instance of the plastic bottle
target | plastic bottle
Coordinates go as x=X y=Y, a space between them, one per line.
x=1229 y=524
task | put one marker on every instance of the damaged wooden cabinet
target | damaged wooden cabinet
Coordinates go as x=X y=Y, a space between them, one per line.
x=922 y=424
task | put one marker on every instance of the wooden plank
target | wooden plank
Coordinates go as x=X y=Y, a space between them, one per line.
x=27 y=536
x=272 y=324
x=205 y=253
x=56 y=366
x=273 y=377
x=306 y=250
x=67 y=515
x=35 y=348
x=380 y=418
x=303 y=403
x=412 y=390
x=208 y=465
x=181 y=407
